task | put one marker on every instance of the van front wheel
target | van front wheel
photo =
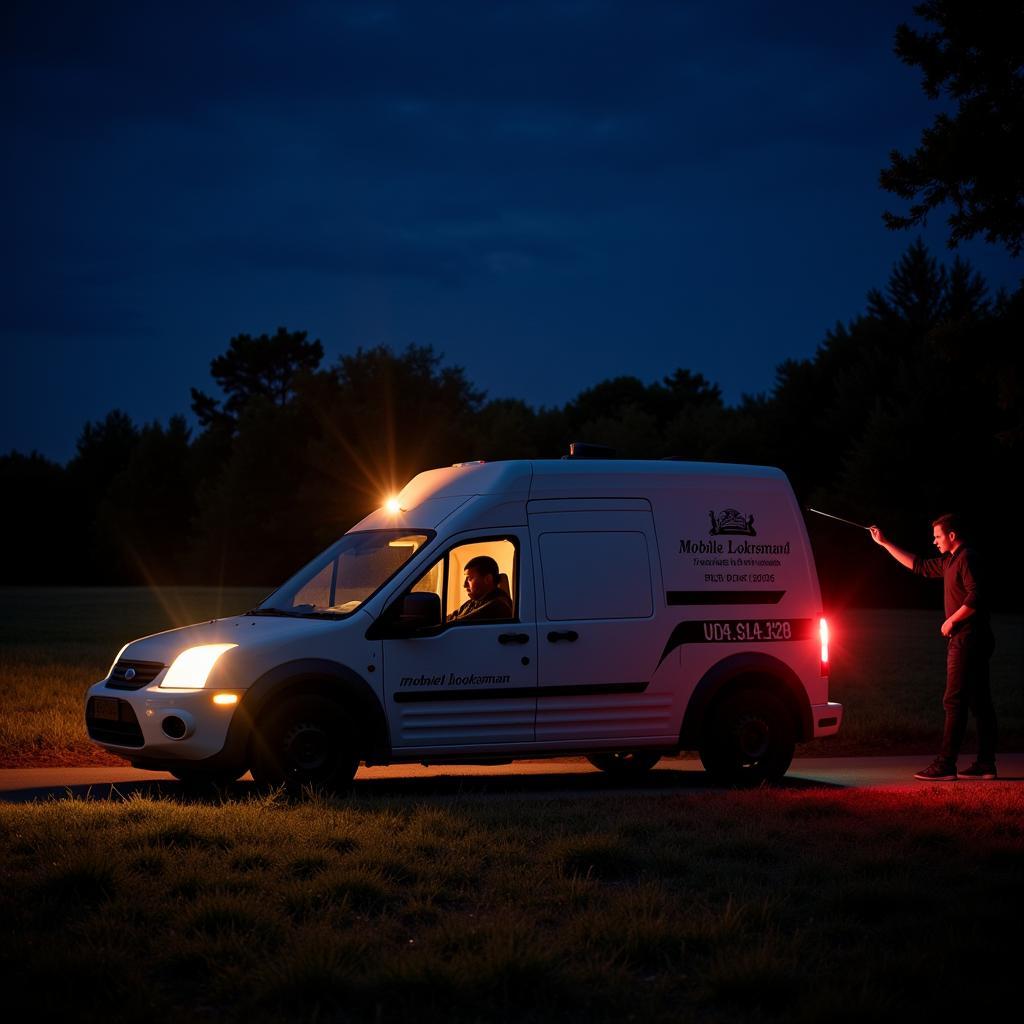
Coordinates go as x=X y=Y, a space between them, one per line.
x=749 y=739
x=305 y=742
x=625 y=765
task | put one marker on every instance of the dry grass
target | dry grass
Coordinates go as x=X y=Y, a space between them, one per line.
x=769 y=905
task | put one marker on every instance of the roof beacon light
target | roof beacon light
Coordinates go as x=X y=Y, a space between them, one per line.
x=392 y=506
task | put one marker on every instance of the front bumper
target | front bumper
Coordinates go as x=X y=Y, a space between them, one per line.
x=159 y=725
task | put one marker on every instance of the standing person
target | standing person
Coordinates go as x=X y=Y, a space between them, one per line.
x=970 y=645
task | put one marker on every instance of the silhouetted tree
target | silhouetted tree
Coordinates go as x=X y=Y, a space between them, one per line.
x=679 y=415
x=306 y=462
x=103 y=451
x=693 y=414
x=971 y=159
x=145 y=518
x=266 y=367
x=507 y=428
x=38 y=522
x=389 y=416
x=898 y=417
x=250 y=526
x=249 y=461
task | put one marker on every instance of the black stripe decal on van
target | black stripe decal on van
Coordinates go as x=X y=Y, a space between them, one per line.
x=677 y=597
x=518 y=692
x=739 y=631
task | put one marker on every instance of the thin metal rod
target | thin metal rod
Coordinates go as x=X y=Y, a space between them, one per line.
x=828 y=515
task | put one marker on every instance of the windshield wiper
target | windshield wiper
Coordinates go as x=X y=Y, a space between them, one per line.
x=283 y=613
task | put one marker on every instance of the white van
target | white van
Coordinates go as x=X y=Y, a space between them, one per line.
x=652 y=607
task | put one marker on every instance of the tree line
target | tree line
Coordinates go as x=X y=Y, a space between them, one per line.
x=910 y=410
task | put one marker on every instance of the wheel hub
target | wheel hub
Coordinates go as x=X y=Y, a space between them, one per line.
x=753 y=737
x=306 y=747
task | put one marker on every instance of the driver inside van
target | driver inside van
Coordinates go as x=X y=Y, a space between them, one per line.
x=486 y=599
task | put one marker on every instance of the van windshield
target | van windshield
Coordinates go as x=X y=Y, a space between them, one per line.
x=341 y=578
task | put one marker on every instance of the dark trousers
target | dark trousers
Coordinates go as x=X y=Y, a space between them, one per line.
x=967 y=689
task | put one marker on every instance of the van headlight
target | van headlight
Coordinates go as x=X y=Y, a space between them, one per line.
x=190 y=669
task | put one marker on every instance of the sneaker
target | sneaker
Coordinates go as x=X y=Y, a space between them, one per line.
x=978 y=770
x=938 y=771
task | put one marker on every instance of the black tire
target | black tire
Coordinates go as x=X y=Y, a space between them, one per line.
x=305 y=742
x=625 y=765
x=749 y=738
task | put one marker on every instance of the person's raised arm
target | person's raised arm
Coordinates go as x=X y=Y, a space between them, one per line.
x=905 y=558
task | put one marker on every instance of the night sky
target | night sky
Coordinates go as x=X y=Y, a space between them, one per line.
x=550 y=194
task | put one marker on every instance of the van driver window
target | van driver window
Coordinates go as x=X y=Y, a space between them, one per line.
x=479 y=585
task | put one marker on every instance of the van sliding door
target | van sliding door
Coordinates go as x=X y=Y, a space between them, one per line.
x=598 y=636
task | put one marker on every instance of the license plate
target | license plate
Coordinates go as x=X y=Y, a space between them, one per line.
x=105 y=708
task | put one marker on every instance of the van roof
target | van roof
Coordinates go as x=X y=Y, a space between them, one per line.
x=539 y=477
x=432 y=496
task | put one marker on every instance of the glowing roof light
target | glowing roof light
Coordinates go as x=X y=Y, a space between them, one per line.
x=392 y=506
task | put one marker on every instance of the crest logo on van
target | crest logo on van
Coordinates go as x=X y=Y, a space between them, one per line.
x=729 y=521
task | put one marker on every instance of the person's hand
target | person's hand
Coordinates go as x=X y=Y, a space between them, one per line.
x=876 y=535
x=947 y=627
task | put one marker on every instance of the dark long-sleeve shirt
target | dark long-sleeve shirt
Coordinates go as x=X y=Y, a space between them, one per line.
x=960 y=583
x=495 y=605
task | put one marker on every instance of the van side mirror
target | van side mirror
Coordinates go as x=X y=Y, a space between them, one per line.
x=412 y=614
x=419 y=611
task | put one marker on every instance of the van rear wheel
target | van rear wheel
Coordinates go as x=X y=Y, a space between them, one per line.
x=305 y=742
x=750 y=738
x=625 y=765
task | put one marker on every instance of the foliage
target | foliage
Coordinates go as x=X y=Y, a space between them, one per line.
x=34 y=519
x=907 y=411
x=969 y=158
x=257 y=368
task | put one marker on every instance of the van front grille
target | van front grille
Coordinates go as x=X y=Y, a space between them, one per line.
x=133 y=675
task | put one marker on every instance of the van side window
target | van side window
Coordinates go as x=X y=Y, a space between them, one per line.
x=447 y=579
x=596 y=575
x=431 y=582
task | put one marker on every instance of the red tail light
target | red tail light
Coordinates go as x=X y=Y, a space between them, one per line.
x=823 y=631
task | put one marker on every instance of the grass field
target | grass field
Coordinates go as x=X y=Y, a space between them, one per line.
x=769 y=905
x=887 y=668
x=795 y=904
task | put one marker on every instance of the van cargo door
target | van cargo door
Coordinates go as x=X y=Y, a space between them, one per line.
x=598 y=635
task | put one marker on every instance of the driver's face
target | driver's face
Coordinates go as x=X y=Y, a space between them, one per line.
x=478 y=584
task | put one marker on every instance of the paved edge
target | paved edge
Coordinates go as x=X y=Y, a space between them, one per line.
x=20 y=785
